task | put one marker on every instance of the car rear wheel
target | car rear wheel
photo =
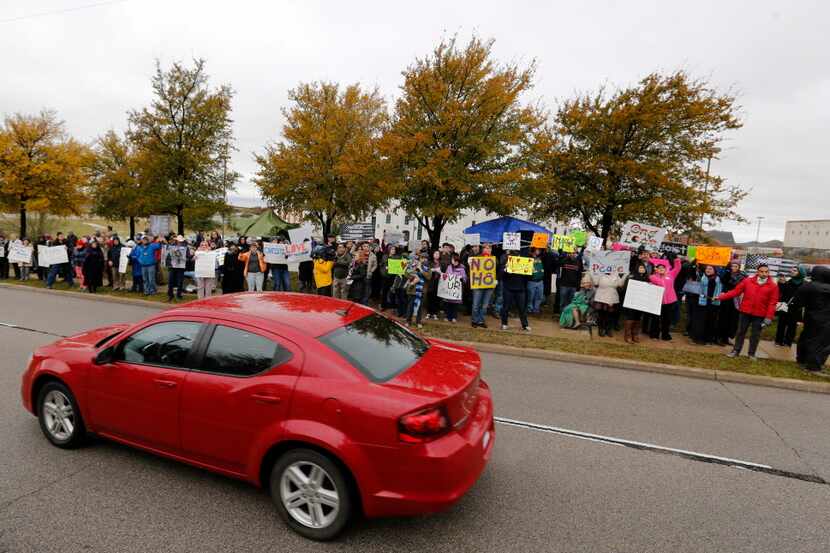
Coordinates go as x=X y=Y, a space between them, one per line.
x=59 y=416
x=311 y=494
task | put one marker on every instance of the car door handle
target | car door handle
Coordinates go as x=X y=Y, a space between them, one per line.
x=265 y=398
x=165 y=383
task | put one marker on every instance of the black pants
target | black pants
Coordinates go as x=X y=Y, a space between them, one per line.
x=691 y=305
x=787 y=325
x=744 y=323
x=511 y=298
x=727 y=321
x=663 y=329
x=175 y=279
x=705 y=324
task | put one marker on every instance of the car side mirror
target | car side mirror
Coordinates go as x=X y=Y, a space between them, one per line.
x=105 y=356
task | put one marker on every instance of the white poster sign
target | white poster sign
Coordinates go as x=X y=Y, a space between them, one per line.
x=274 y=252
x=42 y=256
x=18 y=253
x=297 y=253
x=205 y=265
x=512 y=241
x=450 y=287
x=594 y=244
x=123 y=259
x=178 y=256
x=300 y=235
x=607 y=262
x=160 y=225
x=642 y=296
x=635 y=235
x=472 y=239
x=393 y=237
x=55 y=255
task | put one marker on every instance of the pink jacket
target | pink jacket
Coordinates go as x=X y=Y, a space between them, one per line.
x=667 y=280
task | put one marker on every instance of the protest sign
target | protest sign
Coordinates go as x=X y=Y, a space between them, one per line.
x=124 y=258
x=393 y=237
x=581 y=237
x=512 y=241
x=472 y=239
x=540 y=240
x=674 y=247
x=357 y=231
x=160 y=225
x=594 y=244
x=714 y=255
x=42 y=256
x=607 y=262
x=18 y=253
x=274 y=252
x=482 y=272
x=643 y=296
x=299 y=235
x=178 y=256
x=396 y=266
x=565 y=243
x=299 y=252
x=205 y=265
x=450 y=287
x=519 y=265
x=639 y=234
x=691 y=252
x=54 y=255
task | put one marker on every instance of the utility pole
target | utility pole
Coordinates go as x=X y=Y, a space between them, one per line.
x=758 y=232
x=705 y=187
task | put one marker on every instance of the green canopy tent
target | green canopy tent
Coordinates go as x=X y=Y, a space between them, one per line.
x=267 y=224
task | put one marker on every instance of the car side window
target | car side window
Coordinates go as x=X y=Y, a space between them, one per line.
x=167 y=344
x=238 y=352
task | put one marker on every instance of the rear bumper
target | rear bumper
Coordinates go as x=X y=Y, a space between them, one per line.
x=431 y=477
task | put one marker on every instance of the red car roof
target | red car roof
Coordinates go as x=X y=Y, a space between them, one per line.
x=307 y=313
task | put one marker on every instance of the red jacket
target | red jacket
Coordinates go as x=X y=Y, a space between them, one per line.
x=758 y=300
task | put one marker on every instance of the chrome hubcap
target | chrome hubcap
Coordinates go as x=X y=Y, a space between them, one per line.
x=58 y=415
x=309 y=494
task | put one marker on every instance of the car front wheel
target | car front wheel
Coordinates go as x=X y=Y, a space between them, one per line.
x=59 y=416
x=311 y=494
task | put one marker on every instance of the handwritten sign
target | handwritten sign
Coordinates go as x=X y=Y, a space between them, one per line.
x=594 y=244
x=482 y=272
x=299 y=252
x=519 y=265
x=450 y=287
x=274 y=252
x=540 y=240
x=160 y=225
x=674 y=247
x=608 y=262
x=718 y=256
x=124 y=258
x=642 y=296
x=18 y=253
x=565 y=243
x=42 y=256
x=54 y=255
x=393 y=237
x=581 y=237
x=639 y=234
x=395 y=266
x=512 y=241
x=205 y=266
x=472 y=239
x=178 y=256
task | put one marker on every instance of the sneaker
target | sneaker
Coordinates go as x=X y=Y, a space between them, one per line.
x=504 y=327
x=732 y=354
x=482 y=325
x=454 y=321
x=753 y=358
x=525 y=329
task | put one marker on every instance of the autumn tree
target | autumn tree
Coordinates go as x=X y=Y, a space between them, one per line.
x=184 y=138
x=457 y=135
x=326 y=166
x=637 y=154
x=116 y=189
x=41 y=168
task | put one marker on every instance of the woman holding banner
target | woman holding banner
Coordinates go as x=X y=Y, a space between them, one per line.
x=455 y=268
x=665 y=276
x=483 y=286
x=633 y=317
x=205 y=285
x=705 y=313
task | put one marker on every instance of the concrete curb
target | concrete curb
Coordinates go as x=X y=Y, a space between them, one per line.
x=609 y=362
x=689 y=372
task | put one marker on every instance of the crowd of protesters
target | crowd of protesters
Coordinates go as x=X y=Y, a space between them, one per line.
x=722 y=305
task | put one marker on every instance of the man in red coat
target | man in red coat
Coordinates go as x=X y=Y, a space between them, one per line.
x=757 y=308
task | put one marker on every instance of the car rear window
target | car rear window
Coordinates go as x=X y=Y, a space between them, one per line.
x=376 y=346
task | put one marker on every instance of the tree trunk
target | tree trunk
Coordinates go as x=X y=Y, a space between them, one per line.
x=180 y=219
x=435 y=232
x=132 y=227
x=22 y=220
x=607 y=223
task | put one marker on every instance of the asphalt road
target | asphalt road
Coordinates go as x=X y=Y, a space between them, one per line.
x=541 y=491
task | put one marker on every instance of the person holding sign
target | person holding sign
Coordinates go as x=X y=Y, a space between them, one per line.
x=514 y=293
x=205 y=285
x=114 y=262
x=482 y=283
x=760 y=295
x=633 y=317
x=536 y=283
x=456 y=269
x=25 y=267
x=62 y=268
x=665 y=277
x=93 y=267
x=705 y=314
x=606 y=300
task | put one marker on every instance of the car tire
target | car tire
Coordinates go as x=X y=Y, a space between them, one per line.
x=305 y=486
x=59 y=416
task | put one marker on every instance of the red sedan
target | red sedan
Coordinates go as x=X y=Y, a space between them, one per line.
x=334 y=408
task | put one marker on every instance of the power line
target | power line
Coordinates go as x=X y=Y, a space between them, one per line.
x=65 y=10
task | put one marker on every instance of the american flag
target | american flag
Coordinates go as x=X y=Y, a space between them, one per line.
x=777 y=265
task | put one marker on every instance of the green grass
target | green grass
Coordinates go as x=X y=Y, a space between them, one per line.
x=641 y=352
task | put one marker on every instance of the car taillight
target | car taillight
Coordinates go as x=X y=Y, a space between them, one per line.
x=423 y=426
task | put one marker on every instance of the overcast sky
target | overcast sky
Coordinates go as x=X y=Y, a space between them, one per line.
x=95 y=63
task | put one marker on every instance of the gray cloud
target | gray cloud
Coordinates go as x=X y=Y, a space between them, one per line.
x=93 y=65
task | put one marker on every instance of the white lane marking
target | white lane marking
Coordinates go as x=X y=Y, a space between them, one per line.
x=620 y=441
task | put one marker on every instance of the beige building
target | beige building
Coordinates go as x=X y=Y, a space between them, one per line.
x=814 y=235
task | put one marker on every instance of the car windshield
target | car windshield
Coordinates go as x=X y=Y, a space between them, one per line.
x=376 y=346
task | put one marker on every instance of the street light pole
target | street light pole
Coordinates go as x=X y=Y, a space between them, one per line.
x=758 y=232
x=705 y=187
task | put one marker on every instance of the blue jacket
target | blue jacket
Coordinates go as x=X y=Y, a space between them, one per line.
x=146 y=254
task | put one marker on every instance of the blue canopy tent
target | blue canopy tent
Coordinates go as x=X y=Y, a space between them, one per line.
x=492 y=231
